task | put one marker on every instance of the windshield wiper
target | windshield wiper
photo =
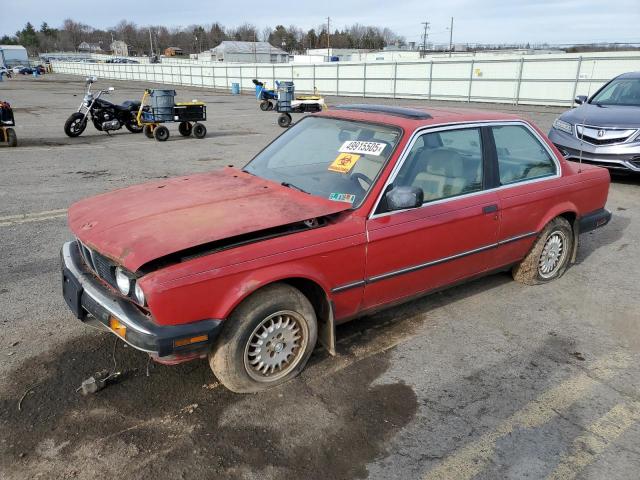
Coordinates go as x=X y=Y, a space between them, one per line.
x=291 y=185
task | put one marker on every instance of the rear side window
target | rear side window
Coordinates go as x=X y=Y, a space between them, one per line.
x=521 y=156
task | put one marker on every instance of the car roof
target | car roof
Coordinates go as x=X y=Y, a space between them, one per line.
x=411 y=118
x=632 y=75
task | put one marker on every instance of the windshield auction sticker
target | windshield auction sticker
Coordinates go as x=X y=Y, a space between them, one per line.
x=342 y=197
x=362 y=148
x=344 y=163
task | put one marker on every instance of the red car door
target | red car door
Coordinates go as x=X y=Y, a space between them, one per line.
x=451 y=237
x=530 y=185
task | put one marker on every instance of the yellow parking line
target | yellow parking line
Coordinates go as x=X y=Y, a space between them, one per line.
x=31 y=217
x=472 y=458
x=593 y=442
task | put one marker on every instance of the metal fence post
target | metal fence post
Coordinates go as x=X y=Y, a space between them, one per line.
x=517 y=99
x=337 y=79
x=575 y=84
x=240 y=80
x=364 y=81
x=470 y=81
x=273 y=75
x=226 y=75
x=430 y=77
x=395 y=78
x=314 y=78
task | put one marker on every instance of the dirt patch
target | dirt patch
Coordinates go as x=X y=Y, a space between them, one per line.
x=177 y=422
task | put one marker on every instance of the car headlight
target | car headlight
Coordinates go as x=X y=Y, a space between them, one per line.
x=123 y=281
x=563 y=126
x=139 y=294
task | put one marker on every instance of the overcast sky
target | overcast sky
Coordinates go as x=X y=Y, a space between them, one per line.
x=485 y=21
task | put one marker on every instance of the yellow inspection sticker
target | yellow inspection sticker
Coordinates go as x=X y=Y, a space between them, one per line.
x=344 y=162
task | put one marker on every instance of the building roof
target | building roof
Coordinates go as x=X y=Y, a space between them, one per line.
x=12 y=47
x=229 y=46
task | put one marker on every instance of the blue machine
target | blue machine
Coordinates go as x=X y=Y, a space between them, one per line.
x=266 y=97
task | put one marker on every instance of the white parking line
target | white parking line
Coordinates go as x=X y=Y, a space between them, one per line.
x=32 y=217
x=472 y=458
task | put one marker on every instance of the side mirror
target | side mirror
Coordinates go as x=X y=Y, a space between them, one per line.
x=580 y=99
x=401 y=198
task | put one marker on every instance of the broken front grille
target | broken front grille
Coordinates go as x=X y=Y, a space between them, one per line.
x=100 y=265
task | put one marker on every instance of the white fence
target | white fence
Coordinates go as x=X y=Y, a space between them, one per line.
x=537 y=81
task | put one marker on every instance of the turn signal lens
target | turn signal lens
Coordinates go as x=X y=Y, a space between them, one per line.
x=188 y=341
x=119 y=328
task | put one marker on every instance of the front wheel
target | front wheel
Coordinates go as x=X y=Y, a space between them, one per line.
x=75 y=125
x=266 y=341
x=284 y=120
x=550 y=255
x=12 y=138
x=264 y=105
x=148 y=131
x=161 y=133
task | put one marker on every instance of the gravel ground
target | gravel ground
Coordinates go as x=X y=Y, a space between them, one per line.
x=487 y=380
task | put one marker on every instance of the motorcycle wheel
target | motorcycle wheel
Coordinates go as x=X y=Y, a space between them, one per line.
x=75 y=125
x=185 y=129
x=148 y=131
x=264 y=105
x=133 y=127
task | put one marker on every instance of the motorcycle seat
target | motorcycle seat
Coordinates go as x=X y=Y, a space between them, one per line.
x=129 y=105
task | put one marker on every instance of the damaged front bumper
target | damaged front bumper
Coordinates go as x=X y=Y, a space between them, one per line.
x=92 y=302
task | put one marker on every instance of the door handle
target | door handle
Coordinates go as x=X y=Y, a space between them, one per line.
x=490 y=208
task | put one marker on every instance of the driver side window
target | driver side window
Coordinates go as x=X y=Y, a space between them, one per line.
x=444 y=164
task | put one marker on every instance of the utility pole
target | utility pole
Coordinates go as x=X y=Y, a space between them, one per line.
x=424 y=38
x=150 y=42
x=328 y=35
x=451 y=37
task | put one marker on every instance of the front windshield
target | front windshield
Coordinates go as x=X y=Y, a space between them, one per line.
x=331 y=158
x=625 y=91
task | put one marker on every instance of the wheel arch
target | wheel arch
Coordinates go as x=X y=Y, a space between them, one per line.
x=314 y=292
x=569 y=212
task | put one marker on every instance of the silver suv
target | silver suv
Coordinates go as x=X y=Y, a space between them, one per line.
x=604 y=129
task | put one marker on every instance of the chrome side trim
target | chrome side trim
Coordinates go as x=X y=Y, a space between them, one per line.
x=432 y=263
x=462 y=126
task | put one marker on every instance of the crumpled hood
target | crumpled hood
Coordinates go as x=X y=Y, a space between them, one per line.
x=144 y=222
x=604 y=116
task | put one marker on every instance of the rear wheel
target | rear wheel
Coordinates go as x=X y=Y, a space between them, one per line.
x=270 y=106
x=284 y=120
x=75 y=125
x=148 y=131
x=133 y=126
x=264 y=105
x=161 y=133
x=12 y=138
x=199 y=130
x=185 y=129
x=267 y=341
x=550 y=255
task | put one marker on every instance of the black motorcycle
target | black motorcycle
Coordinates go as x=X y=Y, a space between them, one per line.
x=106 y=116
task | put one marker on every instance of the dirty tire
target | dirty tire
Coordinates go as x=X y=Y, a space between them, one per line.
x=264 y=105
x=161 y=133
x=227 y=357
x=75 y=125
x=270 y=106
x=284 y=120
x=148 y=131
x=528 y=271
x=12 y=138
x=199 y=130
